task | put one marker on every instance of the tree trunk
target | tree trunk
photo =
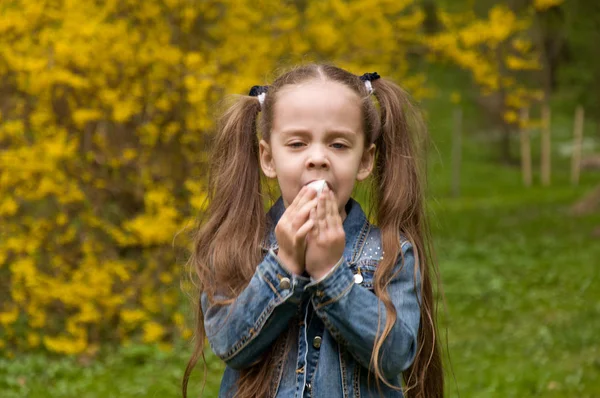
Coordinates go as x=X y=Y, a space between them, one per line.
x=431 y=23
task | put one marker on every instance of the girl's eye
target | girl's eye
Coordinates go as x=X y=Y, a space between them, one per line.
x=338 y=145
x=295 y=144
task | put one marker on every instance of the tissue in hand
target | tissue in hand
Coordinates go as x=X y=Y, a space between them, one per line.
x=318 y=186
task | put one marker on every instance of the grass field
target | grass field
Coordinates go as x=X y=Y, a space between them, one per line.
x=519 y=273
x=520 y=277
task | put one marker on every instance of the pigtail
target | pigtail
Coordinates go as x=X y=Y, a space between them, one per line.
x=236 y=211
x=227 y=244
x=398 y=179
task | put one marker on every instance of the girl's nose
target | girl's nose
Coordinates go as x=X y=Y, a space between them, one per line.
x=317 y=160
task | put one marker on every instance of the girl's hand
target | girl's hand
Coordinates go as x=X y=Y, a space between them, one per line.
x=292 y=228
x=327 y=239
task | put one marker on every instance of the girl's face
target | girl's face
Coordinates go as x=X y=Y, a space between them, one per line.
x=317 y=134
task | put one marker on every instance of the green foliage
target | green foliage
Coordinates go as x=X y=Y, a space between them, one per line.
x=579 y=76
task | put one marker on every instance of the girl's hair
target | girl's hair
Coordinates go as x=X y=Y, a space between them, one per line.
x=236 y=214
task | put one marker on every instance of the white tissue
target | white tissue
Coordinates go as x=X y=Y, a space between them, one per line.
x=318 y=186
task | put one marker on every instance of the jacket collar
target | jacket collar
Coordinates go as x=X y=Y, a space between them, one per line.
x=356 y=226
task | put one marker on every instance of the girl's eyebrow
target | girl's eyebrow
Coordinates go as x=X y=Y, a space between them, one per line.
x=346 y=133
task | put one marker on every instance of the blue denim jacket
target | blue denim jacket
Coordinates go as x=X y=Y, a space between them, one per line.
x=337 y=318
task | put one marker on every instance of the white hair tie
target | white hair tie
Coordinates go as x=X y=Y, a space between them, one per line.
x=259 y=92
x=261 y=99
x=369 y=86
x=368 y=78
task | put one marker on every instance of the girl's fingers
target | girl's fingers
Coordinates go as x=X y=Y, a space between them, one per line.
x=294 y=203
x=304 y=210
x=322 y=227
x=305 y=229
x=313 y=214
x=308 y=199
x=313 y=217
x=334 y=214
x=322 y=206
x=303 y=213
x=302 y=197
x=330 y=204
x=324 y=211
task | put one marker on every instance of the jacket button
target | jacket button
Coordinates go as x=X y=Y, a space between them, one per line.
x=317 y=342
x=358 y=278
x=284 y=283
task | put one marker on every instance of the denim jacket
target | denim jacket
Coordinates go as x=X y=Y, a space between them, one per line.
x=337 y=318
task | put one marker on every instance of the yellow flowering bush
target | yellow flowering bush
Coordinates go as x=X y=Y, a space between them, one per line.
x=496 y=50
x=105 y=115
x=542 y=5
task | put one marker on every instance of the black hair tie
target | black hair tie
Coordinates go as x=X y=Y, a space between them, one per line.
x=260 y=92
x=255 y=91
x=369 y=77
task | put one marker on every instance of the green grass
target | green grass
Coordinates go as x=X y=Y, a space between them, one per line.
x=133 y=371
x=523 y=313
x=520 y=277
x=518 y=272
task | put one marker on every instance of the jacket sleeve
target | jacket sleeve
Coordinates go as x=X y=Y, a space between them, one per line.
x=353 y=314
x=240 y=332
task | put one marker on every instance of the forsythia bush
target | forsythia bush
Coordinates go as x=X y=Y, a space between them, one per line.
x=496 y=50
x=105 y=116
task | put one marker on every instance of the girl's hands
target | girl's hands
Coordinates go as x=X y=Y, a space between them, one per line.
x=326 y=241
x=292 y=229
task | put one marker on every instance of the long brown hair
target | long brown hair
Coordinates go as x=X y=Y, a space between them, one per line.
x=236 y=214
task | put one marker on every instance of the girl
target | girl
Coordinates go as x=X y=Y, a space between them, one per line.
x=311 y=299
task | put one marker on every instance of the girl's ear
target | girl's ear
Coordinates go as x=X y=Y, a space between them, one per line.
x=266 y=159
x=366 y=163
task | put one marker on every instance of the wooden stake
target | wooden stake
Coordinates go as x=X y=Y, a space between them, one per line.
x=546 y=157
x=456 y=151
x=577 y=141
x=525 y=148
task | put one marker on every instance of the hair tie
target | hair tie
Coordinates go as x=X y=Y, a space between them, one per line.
x=260 y=92
x=367 y=78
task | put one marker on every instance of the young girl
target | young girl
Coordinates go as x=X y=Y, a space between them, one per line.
x=311 y=299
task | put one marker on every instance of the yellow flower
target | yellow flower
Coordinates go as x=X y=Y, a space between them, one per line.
x=82 y=116
x=178 y=319
x=8 y=207
x=511 y=116
x=33 y=339
x=153 y=332
x=9 y=317
x=66 y=344
x=166 y=278
x=133 y=316
x=542 y=5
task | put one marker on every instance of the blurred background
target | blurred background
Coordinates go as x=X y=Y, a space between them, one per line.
x=107 y=109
